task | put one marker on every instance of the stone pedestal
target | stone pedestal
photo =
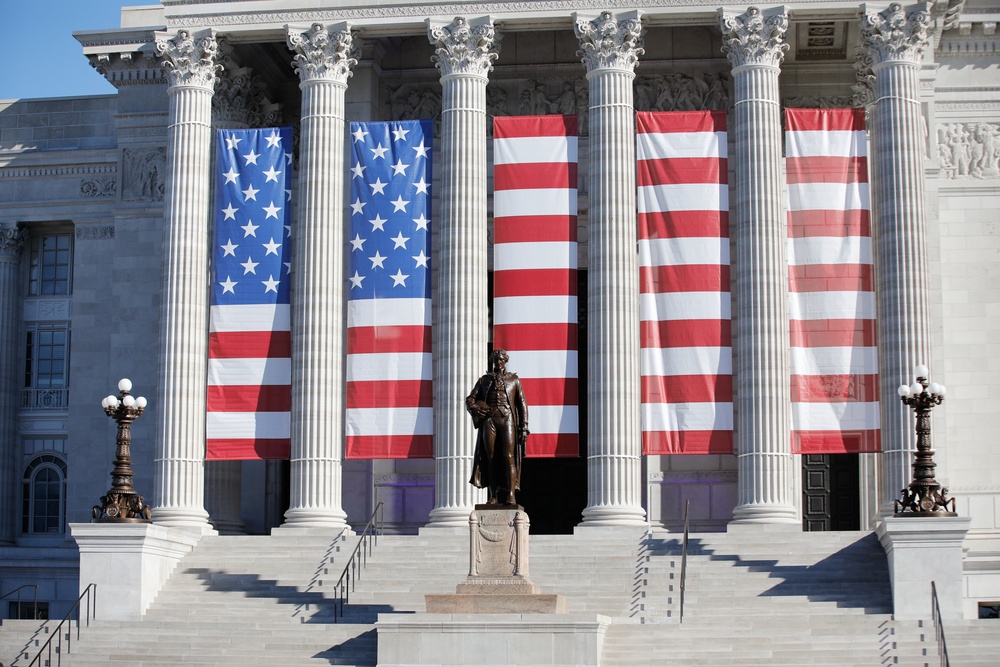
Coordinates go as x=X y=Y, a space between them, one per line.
x=921 y=550
x=498 y=580
x=129 y=563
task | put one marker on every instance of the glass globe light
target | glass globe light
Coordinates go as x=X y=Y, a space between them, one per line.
x=917 y=388
x=920 y=371
x=124 y=385
x=128 y=401
x=140 y=402
x=903 y=391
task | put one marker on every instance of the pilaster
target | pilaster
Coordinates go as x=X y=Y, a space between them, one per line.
x=464 y=55
x=893 y=41
x=324 y=58
x=190 y=61
x=610 y=46
x=755 y=44
x=12 y=242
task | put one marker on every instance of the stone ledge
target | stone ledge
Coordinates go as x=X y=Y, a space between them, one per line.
x=496 y=603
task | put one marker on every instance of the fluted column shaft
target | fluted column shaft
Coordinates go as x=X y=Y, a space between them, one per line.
x=12 y=241
x=464 y=55
x=894 y=40
x=755 y=46
x=183 y=353
x=610 y=47
x=323 y=61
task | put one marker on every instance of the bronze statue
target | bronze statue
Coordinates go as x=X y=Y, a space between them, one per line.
x=500 y=413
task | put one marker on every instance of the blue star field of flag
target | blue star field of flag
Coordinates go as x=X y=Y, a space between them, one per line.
x=251 y=262
x=389 y=231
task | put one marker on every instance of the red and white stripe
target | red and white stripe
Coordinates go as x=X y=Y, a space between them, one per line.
x=535 y=272
x=389 y=396
x=684 y=293
x=249 y=382
x=834 y=360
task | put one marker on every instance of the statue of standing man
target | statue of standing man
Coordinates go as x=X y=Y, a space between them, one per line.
x=500 y=413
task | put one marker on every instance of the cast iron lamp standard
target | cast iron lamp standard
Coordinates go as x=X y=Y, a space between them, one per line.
x=924 y=497
x=122 y=504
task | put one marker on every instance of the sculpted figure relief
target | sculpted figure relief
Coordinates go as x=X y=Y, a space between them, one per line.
x=500 y=413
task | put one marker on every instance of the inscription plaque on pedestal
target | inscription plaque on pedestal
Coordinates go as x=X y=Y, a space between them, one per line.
x=498 y=580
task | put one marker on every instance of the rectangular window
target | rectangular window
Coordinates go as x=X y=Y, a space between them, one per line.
x=51 y=265
x=46 y=366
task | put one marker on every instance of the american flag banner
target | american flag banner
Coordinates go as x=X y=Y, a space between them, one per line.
x=535 y=316
x=249 y=347
x=389 y=397
x=834 y=360
x=684 y=293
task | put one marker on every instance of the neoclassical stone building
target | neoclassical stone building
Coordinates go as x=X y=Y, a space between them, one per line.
x=105 y=216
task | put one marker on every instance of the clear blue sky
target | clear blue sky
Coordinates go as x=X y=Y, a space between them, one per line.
x=38 y=55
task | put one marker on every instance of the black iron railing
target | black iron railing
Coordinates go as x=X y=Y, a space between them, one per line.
x=34 y=605
x=359 y=558
x=939 y=627
x=50 y=646
x=684 y=555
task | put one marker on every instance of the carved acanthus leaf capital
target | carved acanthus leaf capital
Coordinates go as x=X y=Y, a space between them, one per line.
x=323 y=52
x=463 y=48
x=752 y=38
x=894 y=35
x=608 y=43
x=190 y=58
x=864 y=88
x=12 y=240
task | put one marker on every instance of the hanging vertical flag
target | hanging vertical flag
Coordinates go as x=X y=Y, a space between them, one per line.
x=834 y=361
x=684 y=294
x=389 y=398
x=535 y=311
x=249 y=347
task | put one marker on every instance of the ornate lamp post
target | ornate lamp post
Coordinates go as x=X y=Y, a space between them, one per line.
x=924 y=497
x=122 y=504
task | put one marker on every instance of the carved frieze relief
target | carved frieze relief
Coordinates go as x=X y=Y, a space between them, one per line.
x=682 y=92
x=969 y=150
x=144 y=174
x=98 y=187
x=95 y=232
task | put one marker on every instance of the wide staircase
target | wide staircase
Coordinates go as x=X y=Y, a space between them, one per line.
x=753 y=597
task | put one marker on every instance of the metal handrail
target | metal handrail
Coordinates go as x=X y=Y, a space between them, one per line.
x=91 y=607
x=684 y=554
x=357 y=562
x=17 y=590
x=939 y=627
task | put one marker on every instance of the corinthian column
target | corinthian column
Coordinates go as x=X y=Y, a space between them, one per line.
x=181 y=387
x=323 y=61
x=464 y=54
x=12 y=240
x=610 y=47
x=755 y=45
x=893 y=41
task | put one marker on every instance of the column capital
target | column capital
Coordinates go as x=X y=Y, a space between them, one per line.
x=754 y=37
x=463 y=46
x=12 y=240
x=323 y=53
x=896 y=33
x=190 y=58
x=609 y=41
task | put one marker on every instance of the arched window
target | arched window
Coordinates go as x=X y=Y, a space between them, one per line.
x=44 y=497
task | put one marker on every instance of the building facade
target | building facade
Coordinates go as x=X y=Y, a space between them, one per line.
x=105 y=219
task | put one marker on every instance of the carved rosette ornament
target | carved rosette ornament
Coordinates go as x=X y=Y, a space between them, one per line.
x=324 y=53
x=463 y=48
x=754 y=39
x=12 y=241
x=190 y=59
x=607 y=43
x=894 y=34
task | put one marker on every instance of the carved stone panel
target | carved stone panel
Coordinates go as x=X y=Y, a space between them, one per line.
x=969 y=150
x=144 y=174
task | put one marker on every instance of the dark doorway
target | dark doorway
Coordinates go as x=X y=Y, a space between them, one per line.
x=830 y=488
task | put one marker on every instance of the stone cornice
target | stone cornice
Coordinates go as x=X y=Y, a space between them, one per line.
x=609 y=43
x=464 y=47
x=754 y=38
x=325 y=53
x=129 y=68
x=189 y=58
x=894 y=35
